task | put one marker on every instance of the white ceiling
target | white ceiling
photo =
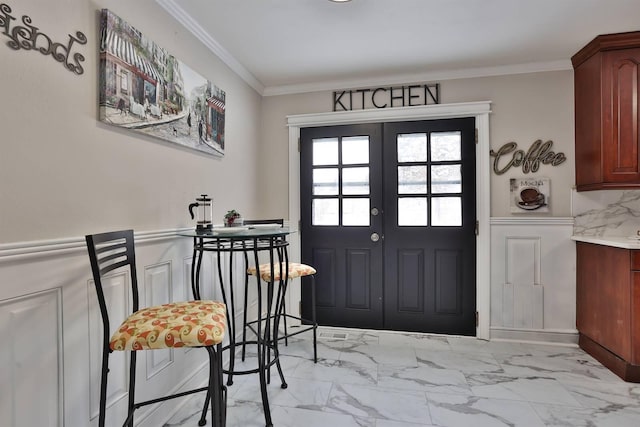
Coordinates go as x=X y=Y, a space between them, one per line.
x=289 y=46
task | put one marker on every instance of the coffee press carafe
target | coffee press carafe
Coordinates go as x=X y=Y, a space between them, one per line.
x=204 y=213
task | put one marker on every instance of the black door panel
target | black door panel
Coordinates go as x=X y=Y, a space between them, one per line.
x=430 y=268
x=349 y=263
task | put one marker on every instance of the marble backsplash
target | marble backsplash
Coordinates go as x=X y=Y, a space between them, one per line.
x=606 y=213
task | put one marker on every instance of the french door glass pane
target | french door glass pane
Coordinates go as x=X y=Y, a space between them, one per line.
x=446 y=179
x=445 y=146
x=412 y=179
x=355 y=212
x=325 y=151
x=355 y=150
x=325 y=182
x=446 y=211
x=325 y=212
x=355 y=181
x=412 y=211
x=412 y=147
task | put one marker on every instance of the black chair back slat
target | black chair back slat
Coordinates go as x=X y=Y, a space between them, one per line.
x=112 y=255
x=114 y=266
x=108 y=252
x=111 y=246
x=264 y=221
x=279 y=221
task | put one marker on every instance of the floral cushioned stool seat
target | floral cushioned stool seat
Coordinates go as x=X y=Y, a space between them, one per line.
x=180 y=324
x=295 y=270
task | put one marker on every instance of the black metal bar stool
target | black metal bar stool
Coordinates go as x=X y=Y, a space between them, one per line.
x=199 y=323
x=295 y=270
x=271 y=275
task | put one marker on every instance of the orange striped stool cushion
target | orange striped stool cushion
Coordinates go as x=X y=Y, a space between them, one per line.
x=180 y=324
x=295 y=270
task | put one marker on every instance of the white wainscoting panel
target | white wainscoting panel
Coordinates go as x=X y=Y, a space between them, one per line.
x=31 y=359
x=48 y=292
x=523 y=260
x=522 y=292
x=186 y=293
x=523 y=306
x=116 y=293
x=533 y=279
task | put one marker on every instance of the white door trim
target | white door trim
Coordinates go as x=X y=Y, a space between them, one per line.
x=479 y=110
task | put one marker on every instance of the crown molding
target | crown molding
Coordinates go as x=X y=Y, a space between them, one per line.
x=192 y=26
x=328 y=85
x=534 y=67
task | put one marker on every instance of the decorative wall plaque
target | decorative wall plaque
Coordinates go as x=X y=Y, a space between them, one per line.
x=538 y=153
x=529 y=195
x=29 y=37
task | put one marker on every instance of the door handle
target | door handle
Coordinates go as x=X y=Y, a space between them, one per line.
x=374 y=211
x=375 y=237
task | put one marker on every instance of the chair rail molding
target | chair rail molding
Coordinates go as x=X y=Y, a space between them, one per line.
x=496 y=220
x=21 y=250
x=479 y=110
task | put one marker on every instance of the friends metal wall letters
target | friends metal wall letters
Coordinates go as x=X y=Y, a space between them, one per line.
x=530 y=161
x=28 y=37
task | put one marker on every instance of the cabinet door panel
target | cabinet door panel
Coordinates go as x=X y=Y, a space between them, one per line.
x=603 y=296
x=588 y=118
x=635 y=319
x=620 y=133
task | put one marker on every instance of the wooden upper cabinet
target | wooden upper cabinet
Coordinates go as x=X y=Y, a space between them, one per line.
x=607 y=112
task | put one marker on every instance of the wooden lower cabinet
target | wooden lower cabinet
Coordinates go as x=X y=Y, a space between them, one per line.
x=608 y=306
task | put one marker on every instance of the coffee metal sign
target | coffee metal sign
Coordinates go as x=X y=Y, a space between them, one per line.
x=386 y=97
x=539 y=152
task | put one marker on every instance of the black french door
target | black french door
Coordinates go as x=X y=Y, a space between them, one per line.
x=388 y=219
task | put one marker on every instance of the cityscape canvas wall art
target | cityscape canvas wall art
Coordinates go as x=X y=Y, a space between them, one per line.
x=147 y=90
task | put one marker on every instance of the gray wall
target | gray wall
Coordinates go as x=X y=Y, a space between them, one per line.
x=525 y=107
x=63 y=173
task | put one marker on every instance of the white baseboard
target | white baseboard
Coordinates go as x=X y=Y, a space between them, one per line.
x=548 y=336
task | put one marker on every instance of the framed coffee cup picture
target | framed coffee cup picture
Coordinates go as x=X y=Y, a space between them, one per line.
x=529 y=195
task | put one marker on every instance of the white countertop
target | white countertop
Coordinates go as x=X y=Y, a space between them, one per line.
x=615 y=241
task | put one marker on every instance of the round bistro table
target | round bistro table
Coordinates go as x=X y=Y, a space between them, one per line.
x=248 y=243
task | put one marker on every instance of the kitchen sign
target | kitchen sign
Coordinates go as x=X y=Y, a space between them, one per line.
x=539 y=153
x=386 y=97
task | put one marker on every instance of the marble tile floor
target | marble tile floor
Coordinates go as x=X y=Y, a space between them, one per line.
x=387 y=379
